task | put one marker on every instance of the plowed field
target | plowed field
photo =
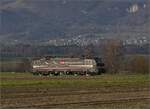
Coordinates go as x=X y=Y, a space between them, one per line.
x=25 y=91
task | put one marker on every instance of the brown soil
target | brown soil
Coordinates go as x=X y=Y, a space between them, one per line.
x=46 y=97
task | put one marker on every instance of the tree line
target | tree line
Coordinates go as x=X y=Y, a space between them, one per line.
x=112 y=53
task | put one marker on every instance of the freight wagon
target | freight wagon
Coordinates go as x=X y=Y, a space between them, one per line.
x=67 y=66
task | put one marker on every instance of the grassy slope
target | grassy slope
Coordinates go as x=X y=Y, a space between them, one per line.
x=10 y=79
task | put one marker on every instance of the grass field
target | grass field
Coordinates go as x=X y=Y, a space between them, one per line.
x=118 y=91
x=27 y=79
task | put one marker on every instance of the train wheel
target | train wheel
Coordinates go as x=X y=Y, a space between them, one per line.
x=67 y=73
x=35 y=73
x=51 y=74
x=87 y=74
x=60 y=73
x=75 y=74
x=56 y=73
x=40 y=74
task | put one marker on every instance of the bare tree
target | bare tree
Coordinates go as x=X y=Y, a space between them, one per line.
x=113 y=54
x=89 y=51
x=139 y=64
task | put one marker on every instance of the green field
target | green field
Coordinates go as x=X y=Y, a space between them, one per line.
x=104 y=91
x=26 y=79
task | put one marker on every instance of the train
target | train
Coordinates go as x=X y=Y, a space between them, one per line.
x=67 y=66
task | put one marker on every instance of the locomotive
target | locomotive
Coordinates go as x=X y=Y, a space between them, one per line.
x=67 y=66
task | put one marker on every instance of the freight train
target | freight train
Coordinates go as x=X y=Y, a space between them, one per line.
x=67 y=66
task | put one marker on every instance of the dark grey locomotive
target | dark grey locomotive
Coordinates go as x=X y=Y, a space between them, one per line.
x=67 y=66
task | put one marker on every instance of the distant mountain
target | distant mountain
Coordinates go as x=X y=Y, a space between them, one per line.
x=39 y=20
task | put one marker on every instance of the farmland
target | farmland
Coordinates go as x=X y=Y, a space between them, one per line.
x=109 y=91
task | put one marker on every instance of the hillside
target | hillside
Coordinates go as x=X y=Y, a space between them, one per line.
x=37 y=20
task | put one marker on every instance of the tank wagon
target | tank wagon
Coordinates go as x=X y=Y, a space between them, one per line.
x=67 y=66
